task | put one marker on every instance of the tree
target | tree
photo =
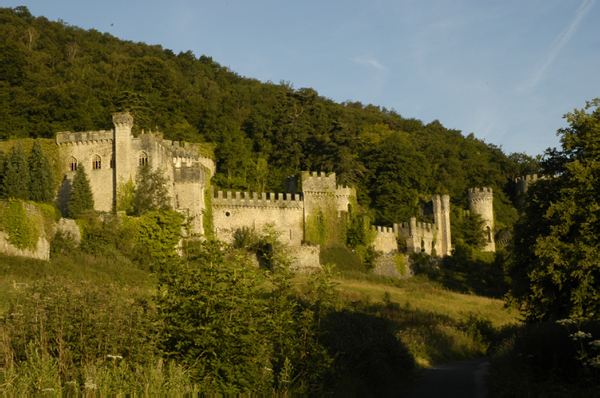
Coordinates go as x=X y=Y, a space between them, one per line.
x=41 y=188
x=15 y=183
x=150 y=192
x=555 y=259
x=81 y=198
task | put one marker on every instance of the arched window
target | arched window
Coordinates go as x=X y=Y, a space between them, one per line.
x=143 y=159
x=73 y=164
x=96 y=162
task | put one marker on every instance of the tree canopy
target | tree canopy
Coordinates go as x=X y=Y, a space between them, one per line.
x=555 y=270
x=63 y=78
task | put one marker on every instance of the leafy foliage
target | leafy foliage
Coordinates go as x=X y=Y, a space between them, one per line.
x=23 y=229
x=150 y=193
x=555 y=256
x=41 y=188
x=81 y=198
x=260 y=132
x=157 y=234
x=239 y=337
x=16 y=180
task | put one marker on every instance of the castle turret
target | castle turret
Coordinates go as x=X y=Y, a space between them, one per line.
x=441 y=217
x=481 y=201
x=123 y=122
x=521 y=186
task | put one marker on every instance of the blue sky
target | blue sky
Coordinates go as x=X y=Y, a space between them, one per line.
x=506 y=71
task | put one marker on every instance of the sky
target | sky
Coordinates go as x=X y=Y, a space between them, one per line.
x=506 y=71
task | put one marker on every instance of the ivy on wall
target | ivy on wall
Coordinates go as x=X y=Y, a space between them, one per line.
x=324 y=226
x=207 y=215
x=23 y=229
x=400 y=264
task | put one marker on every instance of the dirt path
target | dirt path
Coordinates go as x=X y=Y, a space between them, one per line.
x=457 y=379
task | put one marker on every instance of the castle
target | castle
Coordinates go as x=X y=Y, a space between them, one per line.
x=317 y=213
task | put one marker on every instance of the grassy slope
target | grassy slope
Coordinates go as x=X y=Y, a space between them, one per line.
x=436 y=325
x=426 y=298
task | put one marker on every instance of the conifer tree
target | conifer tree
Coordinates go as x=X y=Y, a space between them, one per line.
x=15 y=183
x=81 y=198
x=41 y=188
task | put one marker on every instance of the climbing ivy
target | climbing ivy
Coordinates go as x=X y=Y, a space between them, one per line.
x=22 y=228
x=400 y=264
x=207 y=215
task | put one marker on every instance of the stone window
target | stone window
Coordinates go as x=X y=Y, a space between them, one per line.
x=73 y=164
x=143 y=159
x=112 y=162
x=96 y=163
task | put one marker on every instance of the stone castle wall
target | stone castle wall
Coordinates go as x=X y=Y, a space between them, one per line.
x=419 y=236
x=232 y=211
x=113 y=157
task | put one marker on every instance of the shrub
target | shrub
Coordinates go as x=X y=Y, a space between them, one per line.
x=367 y=354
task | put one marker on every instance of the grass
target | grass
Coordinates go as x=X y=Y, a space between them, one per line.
x=79 y=266
x=435 y=324
x=427 y=298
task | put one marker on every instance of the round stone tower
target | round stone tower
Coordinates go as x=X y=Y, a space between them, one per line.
x=481 y=201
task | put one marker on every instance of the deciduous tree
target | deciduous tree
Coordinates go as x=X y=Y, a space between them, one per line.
x=555 y=268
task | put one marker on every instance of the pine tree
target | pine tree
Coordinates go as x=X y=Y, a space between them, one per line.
x=81 y=198
x=15 y=183
x=41 y=188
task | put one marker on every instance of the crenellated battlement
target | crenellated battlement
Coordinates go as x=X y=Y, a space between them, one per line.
x=189 y=173
x=318 y=182
x=83 y=138
x=527 y=179
x=186 y=151
x=243 y=199
x=480 y=194
x=481 y=201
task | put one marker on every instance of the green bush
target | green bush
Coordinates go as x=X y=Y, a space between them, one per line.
x=78 y=323
x=368 y=357
x=235 y=334
x=343 y=258
x=22 y=228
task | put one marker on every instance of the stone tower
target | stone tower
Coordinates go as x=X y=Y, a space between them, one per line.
x=481 y=201
x=521 y=186
x=122 y=151
x=441 y=217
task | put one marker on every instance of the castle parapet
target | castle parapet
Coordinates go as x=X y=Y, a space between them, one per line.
x=318 y=182
x=193 y=173
x=67 y=137
x=243 y=199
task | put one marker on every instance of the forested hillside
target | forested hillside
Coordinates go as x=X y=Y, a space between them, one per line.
x=56 y=77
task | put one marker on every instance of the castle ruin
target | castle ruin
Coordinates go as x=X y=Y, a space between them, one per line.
x=316 y=212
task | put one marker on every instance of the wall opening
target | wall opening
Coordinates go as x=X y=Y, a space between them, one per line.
x=143 y=159
x=96 y=163
x=72 y=164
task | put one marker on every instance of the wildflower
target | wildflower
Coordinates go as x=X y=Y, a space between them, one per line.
x=114 y=356
x=595 y=362
x=565 y=321
x=595 y=343
x=90 y=385
x=47 y=389
x=581 y=335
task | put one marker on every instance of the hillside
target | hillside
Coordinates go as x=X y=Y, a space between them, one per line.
x=62 y=78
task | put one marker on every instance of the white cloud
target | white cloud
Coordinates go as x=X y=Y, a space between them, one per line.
x=369 y=61
x=561 y=41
